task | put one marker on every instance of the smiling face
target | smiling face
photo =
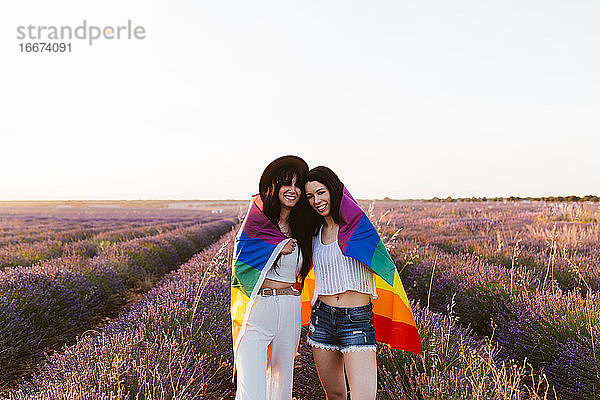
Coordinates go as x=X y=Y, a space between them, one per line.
x=318 y=197
x=289 y=194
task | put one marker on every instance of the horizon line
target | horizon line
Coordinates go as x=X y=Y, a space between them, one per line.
x=385 y=198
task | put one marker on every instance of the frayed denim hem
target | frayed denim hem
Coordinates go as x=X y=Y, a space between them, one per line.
x=321 y=345
x=359 y=348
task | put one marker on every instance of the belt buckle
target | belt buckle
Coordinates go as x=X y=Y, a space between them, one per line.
x=267 y=292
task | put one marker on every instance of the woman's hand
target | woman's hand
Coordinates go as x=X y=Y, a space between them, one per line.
x=289 y=247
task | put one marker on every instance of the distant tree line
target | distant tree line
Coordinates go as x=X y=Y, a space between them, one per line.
x=449 y=199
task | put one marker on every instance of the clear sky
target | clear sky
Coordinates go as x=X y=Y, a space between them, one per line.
x=405 y=99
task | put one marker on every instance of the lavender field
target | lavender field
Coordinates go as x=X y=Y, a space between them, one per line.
x=77 y=268
x=505 y=296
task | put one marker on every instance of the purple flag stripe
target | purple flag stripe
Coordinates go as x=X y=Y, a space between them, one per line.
x=350 y=213
x=258 y=226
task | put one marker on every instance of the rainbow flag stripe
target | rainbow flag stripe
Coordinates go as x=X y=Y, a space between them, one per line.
x=358 y=238
x=257 y=244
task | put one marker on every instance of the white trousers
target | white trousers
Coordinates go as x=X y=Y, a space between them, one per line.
x=274 y=321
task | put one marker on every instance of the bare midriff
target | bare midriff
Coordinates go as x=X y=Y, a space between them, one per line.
x=270 y=283
x=349 y=298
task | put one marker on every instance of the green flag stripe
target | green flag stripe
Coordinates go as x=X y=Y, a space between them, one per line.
x=244 y=277
x=382 y=263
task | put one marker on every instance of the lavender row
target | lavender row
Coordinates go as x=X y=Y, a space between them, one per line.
x=27 y=225
x=555 y=331
x=533 y=225
x=27 y=254
x=508 y=234
x=570 y=269
x=174 y=343
x=33 y=234
x=47 y=227
x=85 y=230
x=47 y=304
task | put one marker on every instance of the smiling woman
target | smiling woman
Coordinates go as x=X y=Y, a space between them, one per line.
x=271 y=259
x=351 y=268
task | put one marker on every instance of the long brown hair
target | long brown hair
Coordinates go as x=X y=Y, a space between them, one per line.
x=298 y=215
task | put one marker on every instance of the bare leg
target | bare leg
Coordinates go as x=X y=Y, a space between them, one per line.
x=330 y=366
x=361 y=369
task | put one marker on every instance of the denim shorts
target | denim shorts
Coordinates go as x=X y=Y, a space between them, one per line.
x=342 y=328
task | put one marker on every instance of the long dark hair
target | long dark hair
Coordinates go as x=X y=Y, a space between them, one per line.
x=335 y=186
x=298 y=215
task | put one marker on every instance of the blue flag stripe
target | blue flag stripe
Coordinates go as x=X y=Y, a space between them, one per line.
x=253 y=252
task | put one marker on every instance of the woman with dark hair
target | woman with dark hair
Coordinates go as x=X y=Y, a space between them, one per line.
x=272 y=257
x=357 y=295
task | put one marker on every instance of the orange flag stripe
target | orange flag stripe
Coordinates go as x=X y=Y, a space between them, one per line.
x=307 y=294
x=390 y=305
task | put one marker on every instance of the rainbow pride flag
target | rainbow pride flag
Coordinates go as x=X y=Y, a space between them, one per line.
x=358 y=238
x=257 y=245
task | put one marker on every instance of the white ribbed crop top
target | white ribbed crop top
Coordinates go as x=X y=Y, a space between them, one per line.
x=288 y=267
x=336 y=273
